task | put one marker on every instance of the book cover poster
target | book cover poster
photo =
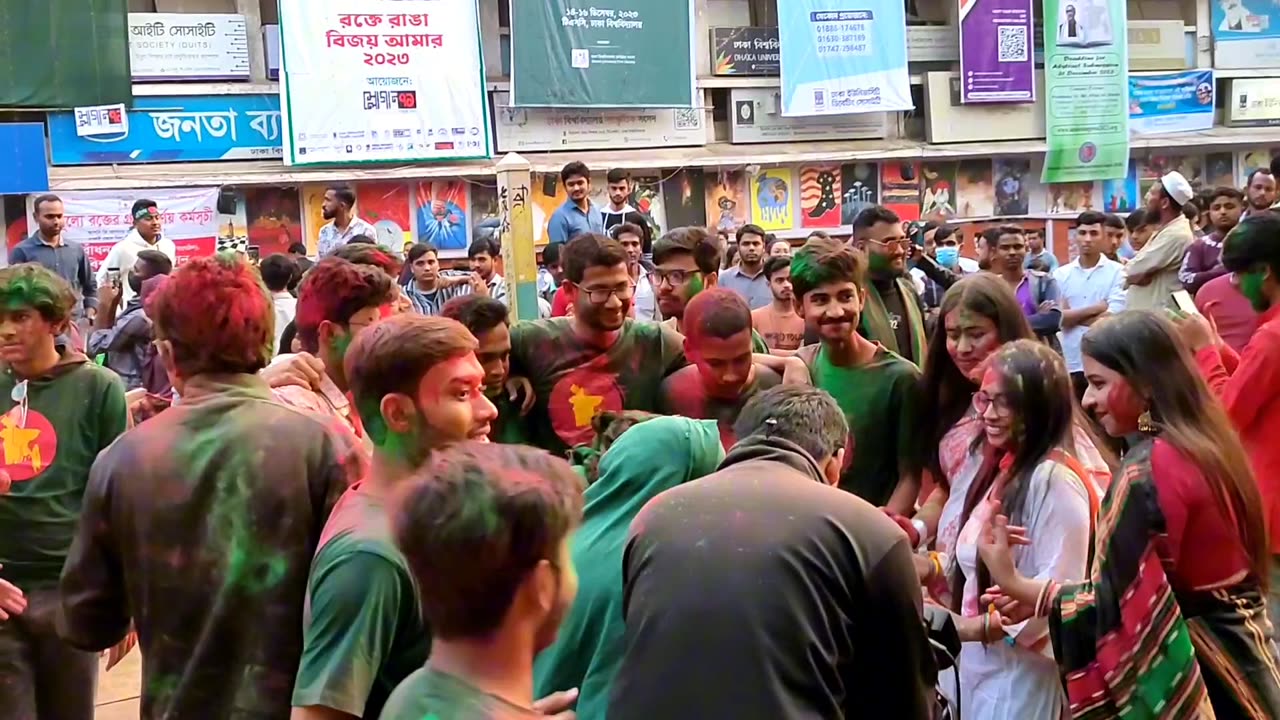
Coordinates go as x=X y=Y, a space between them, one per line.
x=274 y=219
x=820 y=196
x=938 y=196
x=1013 y=180
x=727 y=203
x=441 y=207
x=900 y=188
x=385 y=206
x=975 y=190
x=684 y=197
x=1121 y=196
x=773 y=199
x=1070 y=197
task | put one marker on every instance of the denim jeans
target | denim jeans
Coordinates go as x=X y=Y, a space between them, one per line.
x=41 y=676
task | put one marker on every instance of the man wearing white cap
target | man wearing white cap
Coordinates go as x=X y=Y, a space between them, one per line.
x=1152 y=275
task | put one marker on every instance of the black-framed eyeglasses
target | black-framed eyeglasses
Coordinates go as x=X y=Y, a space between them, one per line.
x=982 y=401
x=674 y=277
x=600 y=296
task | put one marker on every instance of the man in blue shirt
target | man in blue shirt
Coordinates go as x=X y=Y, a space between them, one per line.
x=64 y=258
x=577 y=215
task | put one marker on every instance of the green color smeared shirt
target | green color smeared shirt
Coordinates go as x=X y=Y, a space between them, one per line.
x=509 y=427
x=431 y=695
x=363 y=631
x=73 y=412
x=880 y=400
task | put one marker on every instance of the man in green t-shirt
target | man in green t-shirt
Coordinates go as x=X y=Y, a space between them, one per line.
x=418 y=386
x=877 y=389
x=57 y=411
x=486 y=530
x=486 y=318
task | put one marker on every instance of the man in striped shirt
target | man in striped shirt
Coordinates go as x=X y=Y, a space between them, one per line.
x=428 y=288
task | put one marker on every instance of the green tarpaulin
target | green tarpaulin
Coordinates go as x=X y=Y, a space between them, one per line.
x=64 y=53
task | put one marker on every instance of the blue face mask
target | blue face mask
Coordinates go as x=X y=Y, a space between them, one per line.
x=948 y=256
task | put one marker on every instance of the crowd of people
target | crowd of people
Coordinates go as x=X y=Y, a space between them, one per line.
x=722 y=477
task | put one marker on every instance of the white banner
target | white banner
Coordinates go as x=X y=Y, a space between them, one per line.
x=541 y=129
x=382 y=81
x=99 y=219
x=188 y=46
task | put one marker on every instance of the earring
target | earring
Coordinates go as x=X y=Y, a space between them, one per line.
x=1146 y=424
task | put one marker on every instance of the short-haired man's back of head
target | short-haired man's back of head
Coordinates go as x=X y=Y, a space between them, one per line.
x=805 y=416
x=478 y=313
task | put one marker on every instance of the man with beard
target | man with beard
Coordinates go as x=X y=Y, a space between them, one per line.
x=893 y=315
x=419 y=387
x=338 y=208
x=485 y=530
x=1151 y=275
x=1260 y=191
x=1037 y=292
x=427 y=288
x=686 y=263
x=620 y=188
x=1202 y=262
x=876 y=388
x=632 y=236
x=724 y=375
x=198 y=527
x=577 y=216
x=747 y=278
x=778 y=323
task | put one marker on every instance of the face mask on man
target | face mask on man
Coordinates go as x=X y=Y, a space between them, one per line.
x=948 y=256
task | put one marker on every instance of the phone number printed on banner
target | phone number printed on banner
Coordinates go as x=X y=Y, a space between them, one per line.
x=843 y=33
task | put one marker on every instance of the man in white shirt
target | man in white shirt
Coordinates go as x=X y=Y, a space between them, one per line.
x=339 y=209
x=145 y=235
x=1151 y=275
x=278 y=272
x=1089 y=288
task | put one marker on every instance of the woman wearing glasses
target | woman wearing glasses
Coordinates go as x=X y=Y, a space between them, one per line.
x=1028 y=471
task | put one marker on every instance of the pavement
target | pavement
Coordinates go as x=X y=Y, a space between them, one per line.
x=118 y=690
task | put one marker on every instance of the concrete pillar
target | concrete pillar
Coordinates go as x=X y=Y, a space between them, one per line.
x=519 y=258
x=252 y=12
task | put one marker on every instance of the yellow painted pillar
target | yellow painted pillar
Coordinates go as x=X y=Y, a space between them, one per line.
x=519 y=258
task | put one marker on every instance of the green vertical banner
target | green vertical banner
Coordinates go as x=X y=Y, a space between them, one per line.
x=1086 y=49
x=602 y=53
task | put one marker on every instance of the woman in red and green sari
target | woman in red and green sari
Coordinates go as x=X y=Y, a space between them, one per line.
x=1172 y=622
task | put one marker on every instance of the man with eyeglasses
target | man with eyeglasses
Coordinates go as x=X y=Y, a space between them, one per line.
x=687 y=261
x=893 y=315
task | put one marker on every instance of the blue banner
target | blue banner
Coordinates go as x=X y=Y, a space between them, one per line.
x=176 y=129
x=843 y=56
x=22 y=157
x=1246 y=33
x=1170 y=102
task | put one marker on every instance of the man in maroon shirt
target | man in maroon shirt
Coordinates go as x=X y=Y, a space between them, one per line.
x=1201 y=263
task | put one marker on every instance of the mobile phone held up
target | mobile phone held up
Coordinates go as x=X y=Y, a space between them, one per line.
x=113 y=276
x=1185 y=303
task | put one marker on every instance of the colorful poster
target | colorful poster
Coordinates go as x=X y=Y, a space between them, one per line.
x=838 y=61
x=1012 y=177
x=275 y=218
x=175 y=129
x=646 y=197
x=820 y=196
x=606 y=53
x=1121 y=195
x=900 y=188
x=98 y=219
x=486 y=211
x=1246 y=33
x=1217 y=169
x=976 y=194
x=1070 y=197
x=744 y=51
x=441 y=206
x=727 y=203
x=684 y=196
x=773 y=200
x=1086 y=51
x=385 y=206
x=861 y=185
x=313 y=214
x=996 y=63
x=1251 y=160
x=233 y=227
x=938 y=195
x=548 y=195
x=361 y=81
x=1171 y=102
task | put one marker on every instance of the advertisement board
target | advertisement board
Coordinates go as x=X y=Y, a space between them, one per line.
x=1246 y=34
x=519 y=129
x=1252 y=102
x=757 y=118
x=996 y=63
x=188 y=46
x=1171 y=102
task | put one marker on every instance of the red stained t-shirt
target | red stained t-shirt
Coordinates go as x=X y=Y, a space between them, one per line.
x=1235 y=318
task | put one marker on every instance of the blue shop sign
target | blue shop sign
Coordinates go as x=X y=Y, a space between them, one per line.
x=176 y=129
x=22 y=157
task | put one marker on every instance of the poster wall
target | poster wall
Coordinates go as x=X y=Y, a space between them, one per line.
x=820 y=196
x=727 y=202
x=361 y=81
x=607 y=53
x=684 y=197
x=1013 y=179
x=1171 y=102
x=1121 y=194
x=773 y=199
x=1246 y=34
x=900 y=188
x=996 y=62
x=938 y=195
x=275 y=218
x=1085 y=71
x=975 y=194
x=837 y=61
x=99 y=219
x=385 y=206
x=860 y=183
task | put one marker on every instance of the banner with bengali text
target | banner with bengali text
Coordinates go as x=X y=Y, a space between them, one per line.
x=382 y=81
x=99 y=219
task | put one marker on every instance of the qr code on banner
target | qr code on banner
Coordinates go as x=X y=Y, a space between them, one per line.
x=819 y=100
x=688 y=119
x=1012 y=43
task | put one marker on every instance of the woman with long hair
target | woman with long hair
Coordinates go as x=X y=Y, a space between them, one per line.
x=1027 y=412
x=1171 y=622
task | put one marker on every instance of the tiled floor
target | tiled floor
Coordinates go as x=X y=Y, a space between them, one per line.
x=118 y=689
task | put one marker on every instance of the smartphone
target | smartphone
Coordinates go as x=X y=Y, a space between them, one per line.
x=255 y=253
x=1183 y=300
x=113 y=276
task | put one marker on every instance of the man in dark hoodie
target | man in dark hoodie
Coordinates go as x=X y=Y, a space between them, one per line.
x=59 y=410
x=825 y=620
x=124 y=334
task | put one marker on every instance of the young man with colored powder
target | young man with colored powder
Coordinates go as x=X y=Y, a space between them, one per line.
x=875 y=387
x=1249 y=383
x=894 y=315
x=419 y=388
x=65 y=258
x=485 y=530
x=486 y=318
x=687 y=261
x=337 y=300
x=747 y=278
x=59 y=411
x=1203 y=261
x=199 y=526
x=778 y=322
x=723 y=376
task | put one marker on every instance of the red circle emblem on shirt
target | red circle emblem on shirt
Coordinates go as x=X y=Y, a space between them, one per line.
x=577 y=398
x=29 y=447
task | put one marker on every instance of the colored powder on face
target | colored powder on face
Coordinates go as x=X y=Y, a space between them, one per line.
x=695 y=286
x=34 y=288
x=1251 y=287
x=878 y=263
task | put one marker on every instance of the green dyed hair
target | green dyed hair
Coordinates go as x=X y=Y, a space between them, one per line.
x=821 y=261
x=31 y=285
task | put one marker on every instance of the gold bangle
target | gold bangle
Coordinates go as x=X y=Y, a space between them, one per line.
x=937 y=564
